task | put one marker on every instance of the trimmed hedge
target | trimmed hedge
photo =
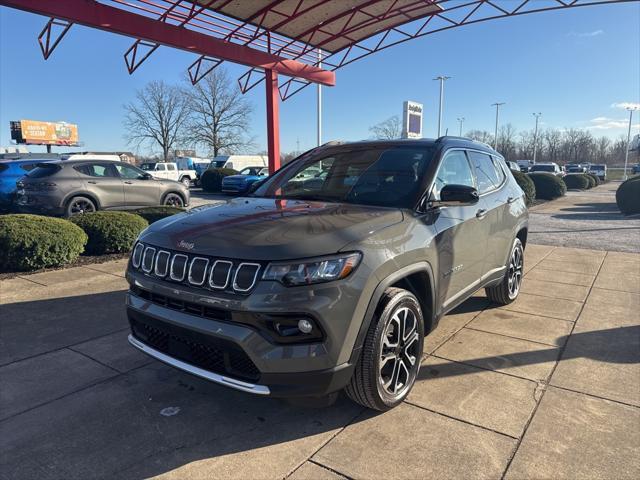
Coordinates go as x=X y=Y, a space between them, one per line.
x=153 y=214
x=593 y=179
x=548 y=186
x=527 y=185
x=211 y=179
x=110 y=232
x=30 y=242
x=576 y=180
x=628 y=196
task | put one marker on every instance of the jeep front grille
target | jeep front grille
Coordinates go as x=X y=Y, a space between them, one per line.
x=196 y=270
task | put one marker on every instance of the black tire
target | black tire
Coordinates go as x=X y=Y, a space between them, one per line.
x=173 y=200
x=78 y=205
x=508 y=289
x=371 y=379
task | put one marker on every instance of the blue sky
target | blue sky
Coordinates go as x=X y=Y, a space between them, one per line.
x=570 y=65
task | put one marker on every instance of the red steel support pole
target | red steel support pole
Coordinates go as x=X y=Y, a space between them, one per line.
x=273 y=119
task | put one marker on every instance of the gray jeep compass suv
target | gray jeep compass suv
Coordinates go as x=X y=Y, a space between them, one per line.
x=329 y=275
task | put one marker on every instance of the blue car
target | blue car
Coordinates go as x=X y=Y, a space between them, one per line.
x=10 y=172
x=240 y=184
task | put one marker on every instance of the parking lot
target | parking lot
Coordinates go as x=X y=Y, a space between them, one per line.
x=544 y=388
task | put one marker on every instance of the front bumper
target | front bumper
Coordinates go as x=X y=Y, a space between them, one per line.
x=232 y=354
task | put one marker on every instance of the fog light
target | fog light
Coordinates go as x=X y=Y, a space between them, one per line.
x=305 y=326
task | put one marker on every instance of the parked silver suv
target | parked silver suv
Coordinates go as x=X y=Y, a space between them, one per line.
x=318 y=283
x=71 y=187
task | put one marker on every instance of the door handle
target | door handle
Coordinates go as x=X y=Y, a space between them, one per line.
x=481 y=213
x=128 y=182
x=93 y=182
x=511 y=200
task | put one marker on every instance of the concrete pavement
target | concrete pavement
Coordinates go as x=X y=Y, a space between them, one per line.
x=548 y=387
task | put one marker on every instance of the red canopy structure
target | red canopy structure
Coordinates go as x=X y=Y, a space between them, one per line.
x=303 y=40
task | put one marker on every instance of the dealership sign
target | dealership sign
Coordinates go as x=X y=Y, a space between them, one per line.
x=44 y=133
x=411 y=119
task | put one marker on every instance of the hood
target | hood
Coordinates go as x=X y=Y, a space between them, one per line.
x=269 y=229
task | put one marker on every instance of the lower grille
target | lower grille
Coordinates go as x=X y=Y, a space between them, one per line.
x=212 y=354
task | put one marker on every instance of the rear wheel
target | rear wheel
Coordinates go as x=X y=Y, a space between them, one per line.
x=173 y=200
x=390 y=359
x=508 y=289
x=80 y=205
x=186 y=181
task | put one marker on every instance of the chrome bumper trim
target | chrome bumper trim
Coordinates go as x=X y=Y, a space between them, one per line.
x=207 y=375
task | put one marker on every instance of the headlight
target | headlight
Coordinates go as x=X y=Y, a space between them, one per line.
x=324 y=269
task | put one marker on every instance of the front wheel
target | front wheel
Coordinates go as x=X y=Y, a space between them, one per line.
x=80 y=205
x=390 y=359
x=173 y=200
x=508 y=289
x=186 y=181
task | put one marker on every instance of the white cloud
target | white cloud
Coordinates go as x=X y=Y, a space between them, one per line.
x=605 y=123
x=625 y=105
x=595 y=33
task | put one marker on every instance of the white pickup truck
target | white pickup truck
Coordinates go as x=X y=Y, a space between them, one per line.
x=169 y=170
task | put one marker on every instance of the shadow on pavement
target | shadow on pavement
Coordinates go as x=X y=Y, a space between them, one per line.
x=591 y=211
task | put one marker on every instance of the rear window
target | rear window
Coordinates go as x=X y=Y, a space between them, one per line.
x=543 y=168
x=43 y=170
x=27 y=167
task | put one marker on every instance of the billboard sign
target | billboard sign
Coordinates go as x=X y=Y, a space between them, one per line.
x=411 y=119
x=33 y=132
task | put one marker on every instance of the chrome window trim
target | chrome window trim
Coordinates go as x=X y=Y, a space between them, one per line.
x=184 y=270
x=253 y=282
x=144 y=255
x=166 y=269
x=133 y=256
x=213 y=267
x=204 y=274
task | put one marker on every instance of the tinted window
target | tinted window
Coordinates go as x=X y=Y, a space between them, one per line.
x=486 y=174
x=148 y=166
x=171 y=166
x=95 y=170
x=543 y=168
x=43 y=170
x=27 y=167
x=497 y=164
x=127 y=171
x=160 y=167
x=454 y=170
x=383 y=176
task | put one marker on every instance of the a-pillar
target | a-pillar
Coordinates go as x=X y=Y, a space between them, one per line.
x=273 y=120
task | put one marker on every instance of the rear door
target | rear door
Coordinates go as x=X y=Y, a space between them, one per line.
x=139 y=190
x=161 y=171
x=462 y=232
x=102 y=181
x=492 y=186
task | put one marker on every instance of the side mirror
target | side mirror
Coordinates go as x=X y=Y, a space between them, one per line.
x=457 y=195
x=146 y=176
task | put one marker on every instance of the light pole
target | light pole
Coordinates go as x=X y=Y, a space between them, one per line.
x=319 y=105
x=626 y=154
x=442 y=79
x=495 y=137
x=461 y=120
x=535 y=137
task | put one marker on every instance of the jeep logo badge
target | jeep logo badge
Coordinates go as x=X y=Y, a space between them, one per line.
x=185 y=245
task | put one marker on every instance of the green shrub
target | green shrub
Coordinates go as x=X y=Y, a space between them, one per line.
x=212 y=179
x=577 y=180
x=30 y=242
x=527 y=185
x=110 y=232
x=548 y=186
x=628 y=196
x=594 y=180
x=153 y=214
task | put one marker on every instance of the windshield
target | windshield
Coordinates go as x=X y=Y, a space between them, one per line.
x=542 y=168
x=148 y=167
x=382 y=176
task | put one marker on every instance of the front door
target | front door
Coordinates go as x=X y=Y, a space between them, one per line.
x=139 y=190
x=461 y=232
x=102 y=181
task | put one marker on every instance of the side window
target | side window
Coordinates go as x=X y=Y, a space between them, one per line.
x=454 y=170
x=127 y=171
x=499 y=165
x=171 y=167
x=160 y=167
x=485 y=172
x=95 y=170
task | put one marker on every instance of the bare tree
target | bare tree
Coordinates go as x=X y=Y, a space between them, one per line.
x=507 y=141
x=156 y=117
x=480 y=136
x=220 y=115
x=387 y=130
x=603 y=145
x=552 y=139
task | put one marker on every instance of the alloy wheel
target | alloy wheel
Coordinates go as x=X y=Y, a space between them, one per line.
x=516 y=265
x=399 y=353
x=81 y=205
